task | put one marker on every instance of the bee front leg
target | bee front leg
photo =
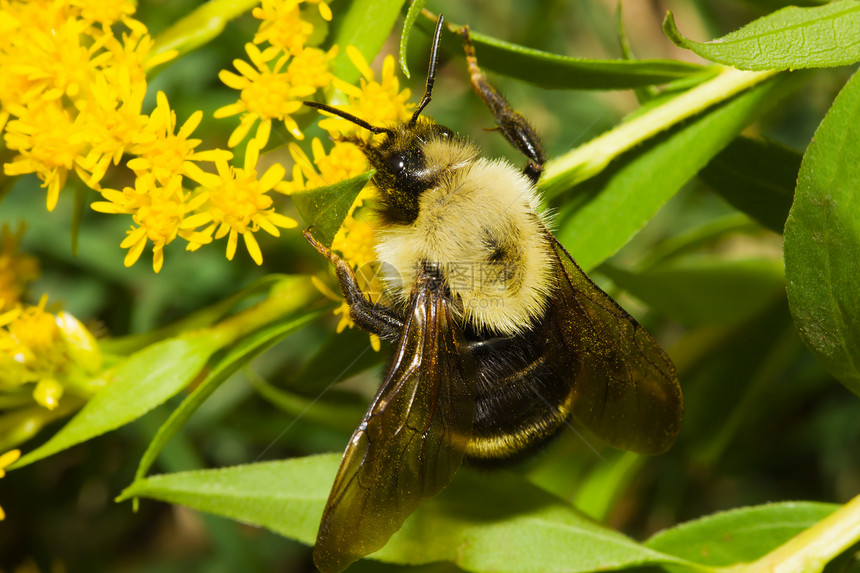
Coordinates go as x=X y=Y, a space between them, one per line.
x=374 y=318
x=513 y=126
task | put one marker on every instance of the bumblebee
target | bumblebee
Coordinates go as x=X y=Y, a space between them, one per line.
x=499 y=336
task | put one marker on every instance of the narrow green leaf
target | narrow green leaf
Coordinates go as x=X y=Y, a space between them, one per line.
x=137 y=385
x=414 y=11
x=740 y=535
x=788 y=39
x=756 y=177
x=240 y=355
x=643 y=94
x=612 y=207
x=822 y=241
x=476 y=523
x=366 y=25
x=202 y=25
x=771 y=5
x=325 y=208
x=554 y=71
x=701 y=290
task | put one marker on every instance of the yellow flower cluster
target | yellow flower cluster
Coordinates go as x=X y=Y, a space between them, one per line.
x=41 y=353
x=281 y=74
x=71 y=96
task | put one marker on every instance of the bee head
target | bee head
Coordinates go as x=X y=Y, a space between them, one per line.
x=402 y=170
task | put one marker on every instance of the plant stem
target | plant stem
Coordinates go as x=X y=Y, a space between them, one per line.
x=590 y=159
x=812 y=549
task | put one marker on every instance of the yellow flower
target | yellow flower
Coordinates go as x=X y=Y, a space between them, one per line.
x=238 y=203
x=104 y=13
x=7 y=460
x=53 y=352
x=111 y=120
x=267 y=94
x=160 y=211
x=354 y=241
x=325 y=11
x=166 y=154
x=309 y=69
x=47 y=138
x=344 y=161
x=282 y=25
x=376 y=102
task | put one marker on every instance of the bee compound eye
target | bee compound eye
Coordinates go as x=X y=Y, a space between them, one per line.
x=397 y=163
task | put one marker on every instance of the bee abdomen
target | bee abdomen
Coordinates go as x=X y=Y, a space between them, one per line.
x=524 y=398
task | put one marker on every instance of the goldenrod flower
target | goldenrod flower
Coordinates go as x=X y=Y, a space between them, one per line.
x=309 y=69
x=111 y=120
x=376 y=102
x=282 y=25
x=7 y=460
x=160 y=211
x=53 y=352
x=47 y=139
x=238 y=204
x=104 y=13
x=166 y=154
x=344 y=161
x=267 y=94
x=324 y=9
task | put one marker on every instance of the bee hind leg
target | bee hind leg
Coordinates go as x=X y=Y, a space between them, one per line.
x=374 y=318
x=513 y=126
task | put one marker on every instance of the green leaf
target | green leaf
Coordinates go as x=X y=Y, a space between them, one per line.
x=609 y=209
x=325 y=208
x=202 y=25
x=740 y=535
x=788 y=39
x=822 y=241
x=286 y=497
x=240 y=355
x=771 y=5
x=366 y=26
x=414 y=11
x=137 y=385
x=756 y=177
x=476 y=523
x=702 y=290
x=554 y=71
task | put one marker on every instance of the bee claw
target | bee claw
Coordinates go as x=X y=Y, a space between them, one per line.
x=322 y=249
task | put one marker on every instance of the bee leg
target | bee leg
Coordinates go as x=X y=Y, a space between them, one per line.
x=374 y=318
x=513 y=126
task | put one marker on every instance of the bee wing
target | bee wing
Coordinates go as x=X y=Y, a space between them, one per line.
x=625 y=389
x=411 y=440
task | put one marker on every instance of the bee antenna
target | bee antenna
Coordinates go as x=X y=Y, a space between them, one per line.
x=431 y=73
x=347 y=116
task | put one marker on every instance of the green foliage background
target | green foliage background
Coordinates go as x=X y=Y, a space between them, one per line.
x=770 y=378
